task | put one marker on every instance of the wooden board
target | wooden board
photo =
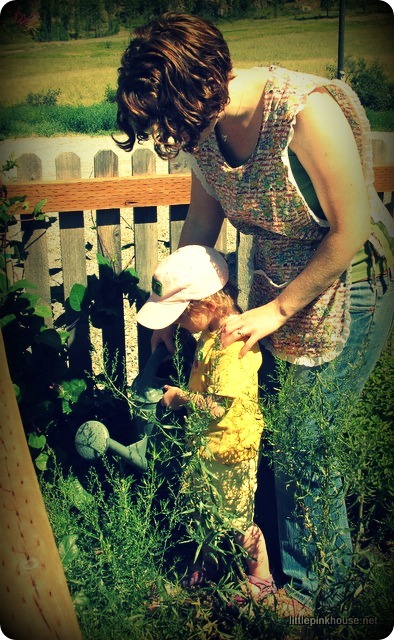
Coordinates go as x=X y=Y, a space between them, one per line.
x=34 y=598
x=136 y=191
x=104 y=193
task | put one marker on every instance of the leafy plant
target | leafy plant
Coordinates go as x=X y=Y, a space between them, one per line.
x=47 y=98
x=53 y=401
x=121 y=539
x=126 y=540
x=369 y=80
x=360 y=452
x=110 y=94
x=95 y=300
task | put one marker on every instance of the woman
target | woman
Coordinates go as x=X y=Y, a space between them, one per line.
x=285 y=157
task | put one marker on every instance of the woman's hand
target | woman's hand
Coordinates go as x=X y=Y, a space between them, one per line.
x=252 y=325
x=173 y=398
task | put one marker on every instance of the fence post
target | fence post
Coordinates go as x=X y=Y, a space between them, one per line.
x=109 y=245
x=34 y=238
x=72 y=244
x=178 y=212
x=379 y=149
x=34 y=599
x=145 y=240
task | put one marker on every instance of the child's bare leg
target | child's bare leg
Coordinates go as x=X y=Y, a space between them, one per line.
x=254 y=544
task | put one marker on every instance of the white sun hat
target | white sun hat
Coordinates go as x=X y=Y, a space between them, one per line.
x=190 y=273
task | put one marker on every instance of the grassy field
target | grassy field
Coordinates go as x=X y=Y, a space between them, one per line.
x=83 y=69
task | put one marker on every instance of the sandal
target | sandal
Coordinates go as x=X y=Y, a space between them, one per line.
x=285 y=606
x=265 y=588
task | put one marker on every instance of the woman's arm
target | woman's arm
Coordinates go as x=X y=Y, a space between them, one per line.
x=325 y=145
x=202 y=226
x=204 y=218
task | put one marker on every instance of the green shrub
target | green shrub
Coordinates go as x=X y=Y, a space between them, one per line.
x=49 y=98
x=370 y=81
x=359 y=450
x=110 y=94
x=113 y=536
x=125 y=539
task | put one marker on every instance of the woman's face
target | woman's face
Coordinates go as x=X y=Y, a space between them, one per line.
x=207 y=132
x=203 y=135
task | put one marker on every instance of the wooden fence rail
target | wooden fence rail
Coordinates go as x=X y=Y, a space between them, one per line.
x=136 y=191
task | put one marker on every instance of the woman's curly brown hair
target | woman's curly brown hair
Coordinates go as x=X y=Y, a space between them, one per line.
x=172 y=83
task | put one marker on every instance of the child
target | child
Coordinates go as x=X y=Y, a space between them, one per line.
x=191 y=289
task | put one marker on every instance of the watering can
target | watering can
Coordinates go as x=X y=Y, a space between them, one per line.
x=93 y=440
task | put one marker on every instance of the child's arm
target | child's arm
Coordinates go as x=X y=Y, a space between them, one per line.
x=175 y=398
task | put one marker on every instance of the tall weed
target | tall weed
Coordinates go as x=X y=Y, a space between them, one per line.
x=126 y=540
x=320 y=462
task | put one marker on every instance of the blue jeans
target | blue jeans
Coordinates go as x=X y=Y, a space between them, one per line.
x=371 y=310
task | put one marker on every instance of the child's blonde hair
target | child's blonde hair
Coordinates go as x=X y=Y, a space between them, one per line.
x=224 y=301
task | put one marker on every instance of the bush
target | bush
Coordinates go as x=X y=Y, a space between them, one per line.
x=359 y=450
x=49 y=98
x=110 y=94
x=369 y=81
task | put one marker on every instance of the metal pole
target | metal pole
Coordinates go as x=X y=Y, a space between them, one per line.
x=341 y=40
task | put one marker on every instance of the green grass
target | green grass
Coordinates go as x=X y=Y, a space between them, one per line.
x=25 y=121
x=381 y=120
x=82 y=69
x=124 y=545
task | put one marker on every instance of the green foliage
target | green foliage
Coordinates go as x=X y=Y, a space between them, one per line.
x=110 y=94
x=46 y=99
x=53 y=401
x=327 y=5
x=125 y=540
x=38 y=443
x=37 y=357
x=119 y=539
x=370 y=81
x=37 y=354
x=95 y=300
x=26 y=120
x=381 y=120
x=359 y=450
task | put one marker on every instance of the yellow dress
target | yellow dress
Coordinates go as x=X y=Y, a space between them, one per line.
x=226 y=476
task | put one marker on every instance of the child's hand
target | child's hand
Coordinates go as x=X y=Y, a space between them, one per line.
x=165 y=335
x=173 y=398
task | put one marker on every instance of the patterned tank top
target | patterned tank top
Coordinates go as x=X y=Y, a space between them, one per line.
x=261 y=197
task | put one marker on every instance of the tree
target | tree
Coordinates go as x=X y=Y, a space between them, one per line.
x=327 y=5
x=45 y=13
